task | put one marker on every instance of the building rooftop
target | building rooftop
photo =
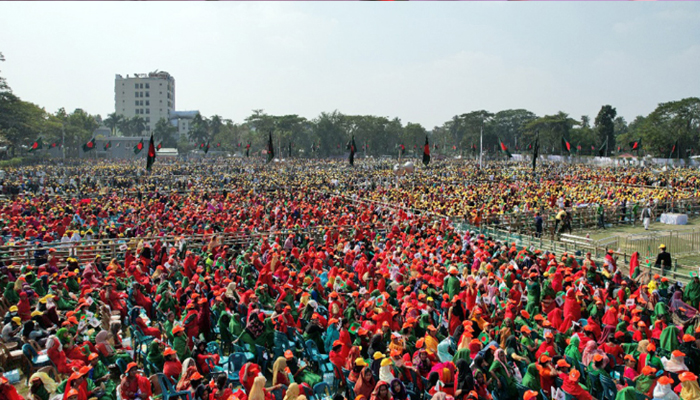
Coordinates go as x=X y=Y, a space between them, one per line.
x=154 y=74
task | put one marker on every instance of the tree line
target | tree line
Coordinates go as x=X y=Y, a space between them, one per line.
x=672 y=126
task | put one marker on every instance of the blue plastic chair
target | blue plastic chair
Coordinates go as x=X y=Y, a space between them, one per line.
x=233 y=367
x=261 y=357
x=609 y=388
x=322 y=390
x=314 y=354
x=168 y=390
x=36 y=360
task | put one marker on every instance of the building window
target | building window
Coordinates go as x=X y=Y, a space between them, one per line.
x=148 y=119
x=137 y=102
x=148 y=111
x=148 y=103
x=147 y=93
x=148 y=86
x=136 y=85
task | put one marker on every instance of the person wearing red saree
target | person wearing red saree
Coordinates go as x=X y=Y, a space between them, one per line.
x=247 y=375
x=191 y=322
x=572 y=387
x=135 y=385
x=547 y=346
x=24 y=309
x=58 y=356
x=77 y=382
x=572 y=310
x=7 y=391
x=172 y=368
x=113 y=300
x=336 y=354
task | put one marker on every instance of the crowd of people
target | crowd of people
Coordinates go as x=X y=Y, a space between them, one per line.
x=228 y=281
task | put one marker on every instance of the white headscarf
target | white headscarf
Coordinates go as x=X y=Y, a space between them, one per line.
x=385 y=374
x=664 y=392
x=675 y=364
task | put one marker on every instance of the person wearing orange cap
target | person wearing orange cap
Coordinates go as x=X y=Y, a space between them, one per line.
x=134 y=385
x=664 y=389
x=7 y=391
x=646 y=381
x=78 y=380
x=172 y=367
x=689 y=386
x=572 y=387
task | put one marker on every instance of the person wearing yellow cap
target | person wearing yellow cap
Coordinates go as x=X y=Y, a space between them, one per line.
x=10 y=331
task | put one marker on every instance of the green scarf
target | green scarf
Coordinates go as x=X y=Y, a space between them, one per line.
x=572 y=349
x=669 y=338
x=155 y=356
x=532 y=378
x=628 y=393
x=462 y=354
x=644 y=383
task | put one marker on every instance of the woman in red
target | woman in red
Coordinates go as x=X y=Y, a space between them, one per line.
x=58 y=356
x=221 y=391
x=172 y=368
x=135 y=385
x=8 y=391
x=572 y=387
x=204 y=359
x=77 y=382
x=135 y=317
x=336 y=355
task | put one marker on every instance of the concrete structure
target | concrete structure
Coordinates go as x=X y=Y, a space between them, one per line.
x=182 y=120
x=150 y=96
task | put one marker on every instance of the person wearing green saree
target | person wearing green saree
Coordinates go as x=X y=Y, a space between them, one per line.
x=646 y=381
x=691 y=295
x=235 y=326
x=180 y=343
x=101 y=376
x=501 y=374
x=462 y=354
x=572 y=350
x=669 y=338
x=532 y=378
x=168 y=326
x=628 y=393
x=661 y=312
x=302 y=374
x=167 y=303
x=452 y=283
x=155 y=356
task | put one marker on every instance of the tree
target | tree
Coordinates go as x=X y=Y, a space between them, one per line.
x=199 y=130
x=113 y=121
x=165 y=133
x=605 y=127
x=551 y=128
x=509 y=125
x=4 y=87
x=671 y=121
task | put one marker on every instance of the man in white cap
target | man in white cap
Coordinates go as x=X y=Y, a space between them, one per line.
x=646 y=217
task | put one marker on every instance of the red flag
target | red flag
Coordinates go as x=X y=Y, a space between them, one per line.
x=634 y=263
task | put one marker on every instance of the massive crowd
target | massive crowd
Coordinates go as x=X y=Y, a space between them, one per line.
x=225 y=280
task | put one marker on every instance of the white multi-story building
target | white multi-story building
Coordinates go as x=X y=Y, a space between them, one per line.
x=150 y=96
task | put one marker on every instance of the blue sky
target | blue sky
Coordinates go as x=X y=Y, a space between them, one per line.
x=421 y=62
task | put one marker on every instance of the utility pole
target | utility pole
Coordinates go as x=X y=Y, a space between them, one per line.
x=481 y=146
x=63 y=141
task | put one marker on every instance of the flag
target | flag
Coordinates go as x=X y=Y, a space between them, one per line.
x=37 y=145
x=206 y=148
x=89 y=145
x=634 y=263
x=138 y=147
x=151 y=158
x=473 y=148
x=160 y=146
x=504 y=148
x=352 y=147
x=119 y=144
x=247 y=150
x=426 y=152
x=218 y=144
x=635 y=145
x=270 y=149
x=565 y=146
x=674 y=149
x=108 y=145
x=535 y=151
x=603 y=148
x=578 y=148
x=54 y=145
x=403 y=149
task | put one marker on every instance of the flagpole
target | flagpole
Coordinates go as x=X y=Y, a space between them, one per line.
x=481 y=146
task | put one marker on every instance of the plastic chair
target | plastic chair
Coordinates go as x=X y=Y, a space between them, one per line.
x=155 y=386
x=233 y=367
x=609 y=388
x=36 y=361
x=261 y=357
x=168 y=390
x=121 y=363
x=322 y=390
x=313 y=353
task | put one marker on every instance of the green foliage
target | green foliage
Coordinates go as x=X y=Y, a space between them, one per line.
x=12 y=162
x=165 y=133
x=605 y=127
x=551 y=128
